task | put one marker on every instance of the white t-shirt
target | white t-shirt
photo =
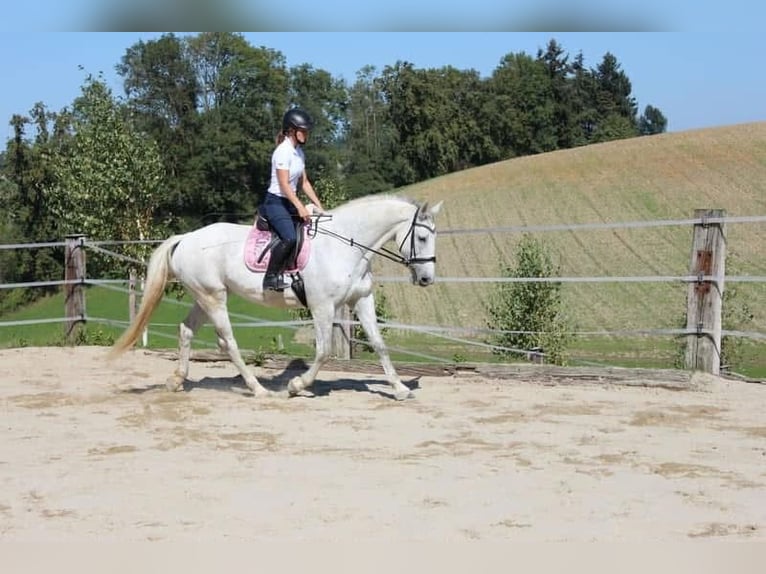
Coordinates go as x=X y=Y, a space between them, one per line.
x=290 y=158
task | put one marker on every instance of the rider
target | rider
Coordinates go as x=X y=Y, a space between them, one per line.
x=280 y=203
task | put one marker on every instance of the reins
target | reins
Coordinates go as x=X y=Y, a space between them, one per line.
x=383 y=252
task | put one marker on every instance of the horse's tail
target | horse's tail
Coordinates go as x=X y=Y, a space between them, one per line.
x=157 y=275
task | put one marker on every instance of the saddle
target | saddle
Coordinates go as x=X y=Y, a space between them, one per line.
x=260 y=241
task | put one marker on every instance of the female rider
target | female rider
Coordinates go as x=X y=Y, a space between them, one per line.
x=280 y=204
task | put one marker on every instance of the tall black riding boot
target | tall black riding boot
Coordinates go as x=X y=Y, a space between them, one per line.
x=273 y=279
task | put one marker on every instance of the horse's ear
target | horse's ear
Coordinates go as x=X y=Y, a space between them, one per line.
x=435 y=209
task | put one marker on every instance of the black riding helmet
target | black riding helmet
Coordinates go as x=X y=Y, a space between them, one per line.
x=297 y=119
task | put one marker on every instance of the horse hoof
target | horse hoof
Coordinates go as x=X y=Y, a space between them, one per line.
x=404 y=395
x=257 y=389
x=295 y=386
x=174 y=384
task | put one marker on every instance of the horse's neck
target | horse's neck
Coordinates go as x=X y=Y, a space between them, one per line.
x=376 y=225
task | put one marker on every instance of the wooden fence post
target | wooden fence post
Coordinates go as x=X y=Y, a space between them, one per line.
x=341 y=334
x=74 y=300
x=704 y=299
x=133 y=303
x=132 y=296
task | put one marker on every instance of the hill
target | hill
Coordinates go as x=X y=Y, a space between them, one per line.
x=659 y=177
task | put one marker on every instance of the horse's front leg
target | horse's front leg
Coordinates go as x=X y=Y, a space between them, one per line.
x=365 y=312
x=323 y=317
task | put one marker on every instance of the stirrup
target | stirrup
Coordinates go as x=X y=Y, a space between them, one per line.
x=274 y=283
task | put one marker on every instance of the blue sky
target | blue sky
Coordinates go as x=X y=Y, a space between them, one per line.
x=697 y=79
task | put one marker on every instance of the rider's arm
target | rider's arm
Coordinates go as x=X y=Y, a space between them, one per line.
x=283 y=177
x=308 y=189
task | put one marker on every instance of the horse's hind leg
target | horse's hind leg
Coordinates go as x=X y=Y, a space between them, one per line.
x=219 y=316
x=186 y=331
x=323 y=318
x=365 y=312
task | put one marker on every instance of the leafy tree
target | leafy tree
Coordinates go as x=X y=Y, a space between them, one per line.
x=529 y=313
x=435 y=115
x=368 y=137
x=214 y=103
x=28 y=217
x=523 y=107
x=736 y=315
x=613 y=127
x=325 y=99
x=13 y=263
x=108 y=178
x=239 y=133
x=163 y=94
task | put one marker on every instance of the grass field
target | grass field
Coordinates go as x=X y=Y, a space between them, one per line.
x=163 y=333
x=660 y=177
x=641 y=179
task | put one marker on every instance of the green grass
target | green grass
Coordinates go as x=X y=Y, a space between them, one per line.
x=636 y=352
x=644 y=352
x=163 y=329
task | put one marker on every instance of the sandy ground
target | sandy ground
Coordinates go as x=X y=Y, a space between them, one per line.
x=97 y=451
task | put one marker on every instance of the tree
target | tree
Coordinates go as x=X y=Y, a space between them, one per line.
x=560 y=73
x=436 y=117
x=325 y=98
x=214 y=103
x=163 y=94
x=652 y=122
x=529 y=314
x=736 y=315
x=521 y=120
x=368 y=138
x=582 y=105
x=617 y=109
x=108 y=178
x=28 y=216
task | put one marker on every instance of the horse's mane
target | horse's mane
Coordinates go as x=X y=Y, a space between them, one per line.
x=374 y=198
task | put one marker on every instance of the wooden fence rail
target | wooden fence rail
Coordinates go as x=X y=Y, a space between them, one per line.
x=703 y=312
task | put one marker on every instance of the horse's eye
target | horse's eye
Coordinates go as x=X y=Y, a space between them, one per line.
x=422 y=238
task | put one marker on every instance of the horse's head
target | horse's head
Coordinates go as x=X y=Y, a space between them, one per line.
x=417 y=245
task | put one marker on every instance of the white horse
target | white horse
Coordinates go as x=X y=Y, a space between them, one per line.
x=209 y=263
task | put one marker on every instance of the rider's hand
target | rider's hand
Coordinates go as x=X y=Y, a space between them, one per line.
x=303 y=213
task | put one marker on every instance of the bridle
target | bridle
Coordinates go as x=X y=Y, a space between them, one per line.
x=413 y=259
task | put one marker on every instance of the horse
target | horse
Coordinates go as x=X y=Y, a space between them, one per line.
x=209 y=263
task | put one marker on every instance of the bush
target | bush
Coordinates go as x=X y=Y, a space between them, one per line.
x=529 y=314
x=736 y=315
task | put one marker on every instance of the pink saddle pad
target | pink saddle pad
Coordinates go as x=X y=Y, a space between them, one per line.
x=257 y=240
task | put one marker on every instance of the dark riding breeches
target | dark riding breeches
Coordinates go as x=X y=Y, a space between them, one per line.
x=281 y=215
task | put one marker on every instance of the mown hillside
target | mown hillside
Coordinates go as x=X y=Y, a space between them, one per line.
x=658 y=177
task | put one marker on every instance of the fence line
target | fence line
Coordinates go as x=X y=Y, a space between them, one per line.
x=477 y=230
x=387 y=279
x=700 y=278
x=608 y=225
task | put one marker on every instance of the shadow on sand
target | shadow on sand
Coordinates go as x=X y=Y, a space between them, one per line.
x=278 y=384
